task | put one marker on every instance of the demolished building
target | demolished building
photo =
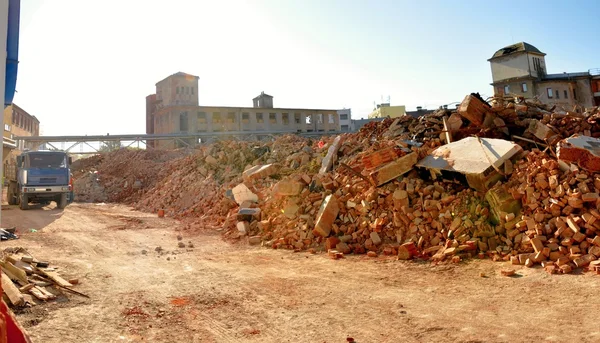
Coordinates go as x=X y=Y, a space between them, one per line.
x=373 y=191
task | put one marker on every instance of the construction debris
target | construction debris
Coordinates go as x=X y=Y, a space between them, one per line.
x=479 y=159
x=28 y=282
x=442 y=187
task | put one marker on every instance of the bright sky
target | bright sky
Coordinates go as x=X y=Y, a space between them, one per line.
x=87 y=66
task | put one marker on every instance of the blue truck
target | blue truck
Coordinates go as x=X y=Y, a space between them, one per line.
x=41 y=177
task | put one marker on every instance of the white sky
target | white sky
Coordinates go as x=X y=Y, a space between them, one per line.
x=86 y=66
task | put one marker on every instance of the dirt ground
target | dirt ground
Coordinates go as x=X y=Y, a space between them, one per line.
x=219 y=292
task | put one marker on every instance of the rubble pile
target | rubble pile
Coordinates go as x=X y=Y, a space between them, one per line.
x=511 y=179
x=195 y=185
x=120 y=176
x=27 y=281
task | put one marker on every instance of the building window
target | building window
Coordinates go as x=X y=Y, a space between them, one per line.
x=231 y=117
x=344 y=127
x=343 y=117
x=566 y=94
x=192 y=90
x=285 y=118
x=201 y=117
x=557 y=94
x=524 y=87
x=549 y=92
x=177 y=90
x=259 y=118
x=331 y=119
x=272 y=118
x=6 y=127
x=183 y=122
x=506 y=89
x=575 y=94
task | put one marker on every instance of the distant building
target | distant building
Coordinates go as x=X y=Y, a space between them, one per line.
x=345 y=119
x=520 y=69
x=263 y=101
x=357 y=124
x=385 y=110
x=176 y=110
x=17 y=122
x=419 y=112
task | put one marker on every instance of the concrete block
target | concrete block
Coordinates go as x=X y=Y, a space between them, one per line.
x=327 y=214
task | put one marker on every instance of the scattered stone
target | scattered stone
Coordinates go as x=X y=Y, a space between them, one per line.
x=508 y=272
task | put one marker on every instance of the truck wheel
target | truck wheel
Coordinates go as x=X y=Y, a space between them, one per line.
x=24 y=202
x=62 y=202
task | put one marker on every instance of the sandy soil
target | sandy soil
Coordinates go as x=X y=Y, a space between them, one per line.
x=219 y=292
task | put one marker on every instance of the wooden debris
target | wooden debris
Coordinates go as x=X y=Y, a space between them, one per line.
x=32 y=281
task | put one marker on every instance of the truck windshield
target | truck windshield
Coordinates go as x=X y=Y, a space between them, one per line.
x=46 y=161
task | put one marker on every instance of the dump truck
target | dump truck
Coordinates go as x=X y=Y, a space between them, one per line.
x=41 y=177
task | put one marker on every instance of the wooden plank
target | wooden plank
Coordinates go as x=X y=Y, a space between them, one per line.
x=19 y=274
x=56 y=278
x=11 y=291
x=36 y=292
x=447 y=131
x=49 y=295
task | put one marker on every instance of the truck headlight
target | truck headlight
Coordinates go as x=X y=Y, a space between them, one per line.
x=65 y=189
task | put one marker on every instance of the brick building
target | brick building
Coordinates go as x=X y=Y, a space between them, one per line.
x=17 y=122
x=520 y=69
x=176 y=110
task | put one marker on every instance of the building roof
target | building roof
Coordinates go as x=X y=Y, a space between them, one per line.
x=565 y=76
x=418 y=113
x=22 y=111
x=517 y=48
x=234 y=108
x=262 y=95
x=179 y=73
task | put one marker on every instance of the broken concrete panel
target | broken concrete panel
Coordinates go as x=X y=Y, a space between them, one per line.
x=392 y=170
x=581 y=150
x=243 y=227
x=287 y=188
x=455 y=122
x=327 y=214
x=473 y=108
x=291 y=209
x=327 y=163
x=211 y=160
x=501 y=200
x=242 y=193
x=476 y=158
x=539 y=129
x=259 y=172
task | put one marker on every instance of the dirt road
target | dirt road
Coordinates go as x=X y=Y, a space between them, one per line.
x=218 y=292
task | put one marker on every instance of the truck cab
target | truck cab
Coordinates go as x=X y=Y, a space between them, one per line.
x=41 y=177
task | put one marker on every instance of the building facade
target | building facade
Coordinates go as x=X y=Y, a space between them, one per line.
x=17 y=122
x=176 y=110
x=345 y=120
x=385 y=110
x=520 y=69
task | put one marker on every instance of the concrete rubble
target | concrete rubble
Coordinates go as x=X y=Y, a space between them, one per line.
x=482 y=181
